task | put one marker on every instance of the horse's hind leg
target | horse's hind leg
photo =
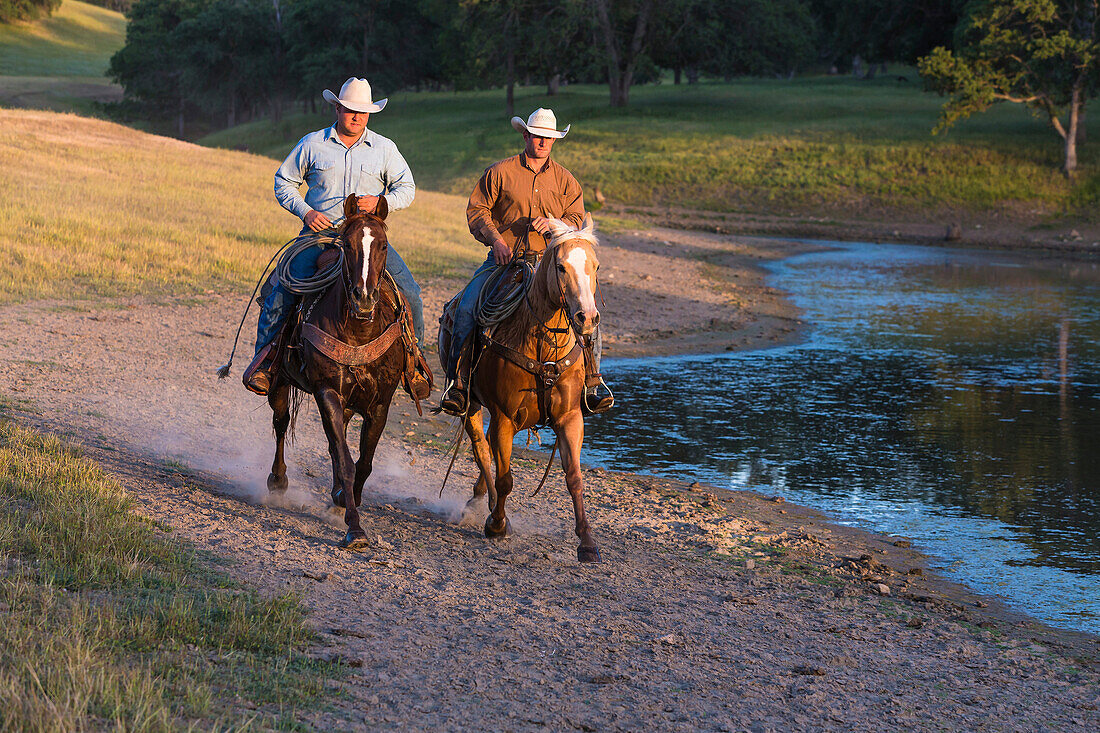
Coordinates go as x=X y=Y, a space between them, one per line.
x=570 y=435
x=368 y=443
x=482 y=458
x=279 y=399
x=502 y=433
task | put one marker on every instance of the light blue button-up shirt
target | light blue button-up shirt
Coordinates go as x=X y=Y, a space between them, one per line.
x=372 y=166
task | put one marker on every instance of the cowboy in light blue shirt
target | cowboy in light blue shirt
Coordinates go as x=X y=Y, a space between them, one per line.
x=343 y=159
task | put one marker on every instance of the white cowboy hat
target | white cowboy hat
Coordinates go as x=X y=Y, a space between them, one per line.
x=355 y=95
x=541 y=123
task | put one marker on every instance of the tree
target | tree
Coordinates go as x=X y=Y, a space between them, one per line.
x=884 y=30
x=728 y=38
x=1039 y=53
x=625 y=26
x=13 y=10
x=147 y=65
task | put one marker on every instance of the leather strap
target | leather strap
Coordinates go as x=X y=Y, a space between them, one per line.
x=346 y=354
x=534 y=367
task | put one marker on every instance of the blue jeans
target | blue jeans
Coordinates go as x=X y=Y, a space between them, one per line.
x=280 y=301
x=465 y=317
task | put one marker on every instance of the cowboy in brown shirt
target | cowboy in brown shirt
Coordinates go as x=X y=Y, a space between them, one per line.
x=509 y=211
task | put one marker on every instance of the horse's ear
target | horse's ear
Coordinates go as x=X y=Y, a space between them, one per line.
x=382 y=208
x=587 y=224
x=351 y=206
x=558 y=228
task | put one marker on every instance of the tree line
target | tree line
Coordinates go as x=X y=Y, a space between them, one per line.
x=17 y=10
x=227 y=60
x=218 y=62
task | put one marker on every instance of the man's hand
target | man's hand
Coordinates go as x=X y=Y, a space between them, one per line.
x=541 y=225
x=502 y=253
x=367 y=204
x=317 y=221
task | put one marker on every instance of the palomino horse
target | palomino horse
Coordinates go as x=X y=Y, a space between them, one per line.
x=356 y=344
x=531 y=373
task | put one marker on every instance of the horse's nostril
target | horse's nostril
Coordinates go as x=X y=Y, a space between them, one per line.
x=596 y=320
x=357 y=293
x=579 y=317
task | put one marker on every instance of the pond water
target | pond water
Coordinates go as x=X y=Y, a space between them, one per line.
x=948 y=396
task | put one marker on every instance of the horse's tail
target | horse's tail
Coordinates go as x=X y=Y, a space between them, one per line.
x=297 y=396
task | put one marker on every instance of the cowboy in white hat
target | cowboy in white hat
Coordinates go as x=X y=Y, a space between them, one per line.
x=509 y=212
x=343 y=159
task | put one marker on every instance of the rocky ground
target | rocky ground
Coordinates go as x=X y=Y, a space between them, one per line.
x=712 y=610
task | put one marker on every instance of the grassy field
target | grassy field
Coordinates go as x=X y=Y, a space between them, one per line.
x=101 y=210
x=111 y=624
x=59 y=63
x=815 y=144
x=78 y=40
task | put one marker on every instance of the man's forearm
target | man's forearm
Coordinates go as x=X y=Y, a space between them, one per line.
x=286 y=193
x=486 y=233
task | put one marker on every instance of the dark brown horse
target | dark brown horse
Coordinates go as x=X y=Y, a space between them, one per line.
x=354 y=349
x=532 y=373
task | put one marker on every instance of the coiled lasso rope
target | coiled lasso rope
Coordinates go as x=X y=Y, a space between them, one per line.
x=490 y=311
x=299 y=286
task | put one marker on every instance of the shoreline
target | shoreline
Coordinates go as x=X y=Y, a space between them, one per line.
x=702 y=590
x=770 y=321
x=951 y=229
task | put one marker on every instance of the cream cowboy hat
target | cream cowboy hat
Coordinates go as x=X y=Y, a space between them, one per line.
x=541 y=123
x=355 y=95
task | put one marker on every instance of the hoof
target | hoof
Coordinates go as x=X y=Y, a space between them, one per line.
x=588 y=554
x=354 y=541
x=276 y=483
x=496 y=533
x=338 y=498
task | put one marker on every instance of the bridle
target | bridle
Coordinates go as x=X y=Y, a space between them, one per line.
x=349 y=286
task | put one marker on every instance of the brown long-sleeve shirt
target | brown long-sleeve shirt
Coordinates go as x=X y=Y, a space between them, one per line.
x=509 y=195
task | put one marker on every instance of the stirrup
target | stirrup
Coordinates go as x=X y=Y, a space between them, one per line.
x=454 y=400
x=594 y=404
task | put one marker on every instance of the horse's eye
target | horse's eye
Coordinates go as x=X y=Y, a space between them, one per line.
x=561 y=268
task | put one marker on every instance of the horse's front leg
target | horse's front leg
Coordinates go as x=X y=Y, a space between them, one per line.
x=373 y=425
x=331 y=408
x=501 y=434
x=482 y=457
x=279 y=399
x=570 y=435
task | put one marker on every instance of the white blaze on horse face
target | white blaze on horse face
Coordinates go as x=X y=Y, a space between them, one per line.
x=576 y=261
x=368 y=251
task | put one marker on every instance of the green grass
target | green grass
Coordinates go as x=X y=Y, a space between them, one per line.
x=819 y=145
x=110 y=623
x=77 y=40
x=99 y=210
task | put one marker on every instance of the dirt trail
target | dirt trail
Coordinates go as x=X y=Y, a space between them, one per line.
x=443 y=629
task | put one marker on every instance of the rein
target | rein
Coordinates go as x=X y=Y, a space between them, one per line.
x=292 y=248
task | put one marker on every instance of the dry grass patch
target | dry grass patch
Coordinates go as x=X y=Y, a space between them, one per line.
x=98 y=209
x=109 y=623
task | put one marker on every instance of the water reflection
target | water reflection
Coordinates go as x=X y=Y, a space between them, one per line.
x=949 y=396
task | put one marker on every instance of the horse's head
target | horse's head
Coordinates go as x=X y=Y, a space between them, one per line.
x=363 y=235
x=572 y=272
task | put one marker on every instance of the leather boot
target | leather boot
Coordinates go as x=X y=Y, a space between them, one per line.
x=453 y=401
x=257 y=377
x=592 y=402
